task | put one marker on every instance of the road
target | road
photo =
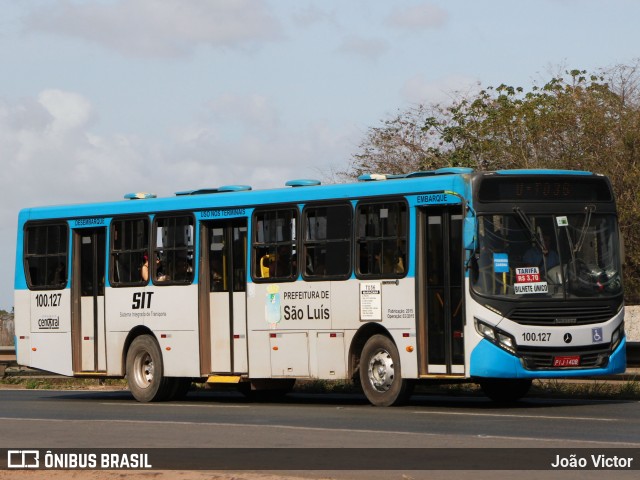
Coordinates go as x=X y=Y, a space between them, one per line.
x=111 y=419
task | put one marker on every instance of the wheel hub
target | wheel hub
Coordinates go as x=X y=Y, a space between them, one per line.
x=144 y=370
x=381 y=371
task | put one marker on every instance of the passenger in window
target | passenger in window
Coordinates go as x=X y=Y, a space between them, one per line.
x=544 y=258
x=216 y=275
x=183 y=270
x=59 y=275
x=283 y=262
x=144 y=269
x=160 y=275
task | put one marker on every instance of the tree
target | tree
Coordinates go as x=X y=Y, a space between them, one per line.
x=576 y=120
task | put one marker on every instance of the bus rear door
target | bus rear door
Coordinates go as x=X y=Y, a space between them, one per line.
x=88 y=308
x=222 y=286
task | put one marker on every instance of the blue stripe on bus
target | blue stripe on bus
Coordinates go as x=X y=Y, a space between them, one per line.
x=489 y=361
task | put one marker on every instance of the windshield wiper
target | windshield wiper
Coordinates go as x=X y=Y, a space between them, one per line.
x=532 y=233
x=589 y=209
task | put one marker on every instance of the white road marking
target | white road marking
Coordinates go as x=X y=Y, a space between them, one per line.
x=505 y=415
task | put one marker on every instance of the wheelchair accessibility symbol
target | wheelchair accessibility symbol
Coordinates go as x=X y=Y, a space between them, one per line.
x=596 y=335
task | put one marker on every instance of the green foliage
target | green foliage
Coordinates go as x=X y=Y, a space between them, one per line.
x=577 y=121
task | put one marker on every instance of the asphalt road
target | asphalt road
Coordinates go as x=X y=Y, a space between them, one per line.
x=106 y=419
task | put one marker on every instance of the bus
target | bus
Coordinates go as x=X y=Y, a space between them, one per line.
x=451 y=275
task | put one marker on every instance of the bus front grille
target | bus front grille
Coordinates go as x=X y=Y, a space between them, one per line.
x=543 y=359
x=561 y=315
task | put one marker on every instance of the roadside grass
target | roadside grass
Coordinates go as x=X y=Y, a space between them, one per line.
x=618 y=389
x=62 y=383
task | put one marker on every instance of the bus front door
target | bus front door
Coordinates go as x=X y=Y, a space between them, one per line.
x=222 y=302
x=87 y=290
x=440 y=286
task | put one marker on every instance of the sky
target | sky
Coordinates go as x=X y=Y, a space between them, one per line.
x=104 y=97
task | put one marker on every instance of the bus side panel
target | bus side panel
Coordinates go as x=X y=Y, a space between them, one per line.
x=48 y=339
x=471 y=336
x=22 y=316
x=171 y=313
x=393 y=308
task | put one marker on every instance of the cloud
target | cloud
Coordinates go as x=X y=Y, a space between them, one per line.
x=310 y=15
x=418 y=17
x=252 y=111
x=243 y=140
x=369 y=48
x=68 y=110
x=160 y=28
x=49 y=147
x=417 y=89
x=51 y=154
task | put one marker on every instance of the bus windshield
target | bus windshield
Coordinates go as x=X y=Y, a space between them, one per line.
x=531 y=256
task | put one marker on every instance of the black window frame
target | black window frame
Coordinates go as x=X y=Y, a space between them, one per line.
x=268 y=250
x=139 y=252
x=163 y=272
x=306 y=244
x=370 y=240
x=47 y=256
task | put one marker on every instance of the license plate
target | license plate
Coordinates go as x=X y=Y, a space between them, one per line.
x=573 y=361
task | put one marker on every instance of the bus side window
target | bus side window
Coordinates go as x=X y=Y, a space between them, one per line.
x=381 y=233
x=45 y=255
x=129 y=246
x=274 y=244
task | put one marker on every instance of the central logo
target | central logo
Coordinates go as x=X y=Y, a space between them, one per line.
x=567 y=338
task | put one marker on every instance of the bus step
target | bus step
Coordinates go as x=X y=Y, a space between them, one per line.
x=224 y=379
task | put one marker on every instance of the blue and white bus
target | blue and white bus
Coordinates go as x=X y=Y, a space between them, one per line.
x=450 y=275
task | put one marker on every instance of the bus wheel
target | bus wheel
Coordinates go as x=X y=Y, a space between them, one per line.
x=145 y=370
x=505 y=391
x=380 y=374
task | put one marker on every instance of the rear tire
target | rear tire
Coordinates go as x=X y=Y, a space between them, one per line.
x=145 y=371
x=505 y=391
x=381 y=374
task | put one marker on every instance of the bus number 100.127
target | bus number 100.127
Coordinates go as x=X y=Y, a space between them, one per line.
x=48 y=300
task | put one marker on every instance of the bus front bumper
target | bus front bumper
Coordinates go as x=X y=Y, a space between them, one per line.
x=490 y=361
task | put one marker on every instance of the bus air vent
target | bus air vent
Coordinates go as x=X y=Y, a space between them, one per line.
x=139 y=196
x=453 y=171
x=222 y=189
x=303 y=182
x=371 y=177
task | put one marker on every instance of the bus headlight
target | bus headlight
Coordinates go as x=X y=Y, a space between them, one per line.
x=485 y=330
x=617 y=336
x=499 y=337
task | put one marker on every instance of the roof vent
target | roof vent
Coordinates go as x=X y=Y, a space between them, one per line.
x=370 y=177
x=453 y=171
x=234 y=188
x=222 y=189
x=139 y=196
x=303 y=182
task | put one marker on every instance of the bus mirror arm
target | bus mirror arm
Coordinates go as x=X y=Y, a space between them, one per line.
x=469 y=234
x=469 y=229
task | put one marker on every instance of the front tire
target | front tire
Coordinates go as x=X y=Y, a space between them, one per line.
x=145 y=371
x=381 y=374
